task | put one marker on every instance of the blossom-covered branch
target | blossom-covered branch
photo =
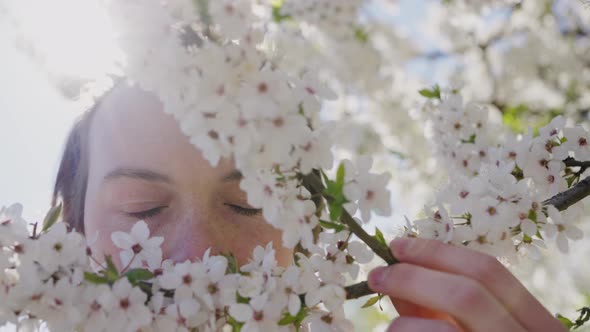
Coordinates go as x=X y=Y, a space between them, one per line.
x=571 y=196
x=314 y=184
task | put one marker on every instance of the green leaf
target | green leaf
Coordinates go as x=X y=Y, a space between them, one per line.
x=335 y=211
x=517 y=173
x=532 y=215
x=95 y=278
x=111 y=272
x=513 y=117
x=332 y=225
x=235 y=325
x=241 y=299
x=232 y=263
x=570 y=180
x=379 y=236
x=51 y=217
x=470 y=140
x=372 y=301
x=527 y=239
x=431 y=94
x=333 y=190
x=276 y=12
x=520 y=117
x=565 y=321
x=340 y=176
x=287 y=319
x=295 y=320
x=361 y=35
x=139 y=274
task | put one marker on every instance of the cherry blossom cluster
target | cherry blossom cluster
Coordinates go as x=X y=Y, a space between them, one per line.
x=51 y=278
x=231 y=101
x=494 y=200
x=210 y=64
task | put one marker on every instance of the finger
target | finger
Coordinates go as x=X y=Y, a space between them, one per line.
x=463 y=298
x=483 y=268
x=415 y=324
x=406 y=308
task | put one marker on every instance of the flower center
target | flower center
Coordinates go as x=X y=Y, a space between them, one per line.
x=136 y=248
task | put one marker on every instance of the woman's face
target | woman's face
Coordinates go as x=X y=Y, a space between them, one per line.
x=141 y=166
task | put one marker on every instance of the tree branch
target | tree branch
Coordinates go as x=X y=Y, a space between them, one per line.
x=571 y=162
x=561 y=201
x=314 y=184
x=565 y=199
x=358 y=290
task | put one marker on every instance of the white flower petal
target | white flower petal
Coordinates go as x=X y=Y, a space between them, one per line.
x=294 y=304
x=140 y=231
x=562 y=243
x=122 y=240
x=241 y=312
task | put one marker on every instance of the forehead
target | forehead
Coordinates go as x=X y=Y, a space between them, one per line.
x=130 y=129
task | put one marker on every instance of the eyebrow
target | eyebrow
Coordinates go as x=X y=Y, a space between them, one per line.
x=234 y=175
x=137 y=173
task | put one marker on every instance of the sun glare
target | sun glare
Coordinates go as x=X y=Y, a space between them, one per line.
x=69 y=38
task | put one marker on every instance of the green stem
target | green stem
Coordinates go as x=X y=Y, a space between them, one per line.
x=314 y=184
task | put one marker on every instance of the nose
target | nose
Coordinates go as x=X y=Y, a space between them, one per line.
x=187 y=238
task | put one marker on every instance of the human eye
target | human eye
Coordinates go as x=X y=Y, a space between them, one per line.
x=244 y=210
x=146 y=214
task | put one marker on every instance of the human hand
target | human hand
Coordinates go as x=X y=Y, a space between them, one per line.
x=440 y=287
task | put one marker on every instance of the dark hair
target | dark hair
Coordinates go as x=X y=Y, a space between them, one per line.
x=72 y=176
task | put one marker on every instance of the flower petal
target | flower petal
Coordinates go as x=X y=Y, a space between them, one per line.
x=241 y=312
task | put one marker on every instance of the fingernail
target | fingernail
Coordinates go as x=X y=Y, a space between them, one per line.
x=399 y=246
x=378 y=276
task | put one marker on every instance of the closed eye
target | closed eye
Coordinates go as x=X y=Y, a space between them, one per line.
x=244 y=211
x=147 y=213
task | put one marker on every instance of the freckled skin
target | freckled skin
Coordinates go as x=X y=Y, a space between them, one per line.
x=131 y=130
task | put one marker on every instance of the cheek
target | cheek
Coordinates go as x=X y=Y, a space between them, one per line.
x=259 y=235
x=99 y=224
x=98 y=232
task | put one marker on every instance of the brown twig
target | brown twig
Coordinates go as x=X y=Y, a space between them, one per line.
x=565 y=199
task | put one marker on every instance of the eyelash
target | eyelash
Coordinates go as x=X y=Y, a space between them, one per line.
x=147 y=213
x=244 y=211
x=155 y=211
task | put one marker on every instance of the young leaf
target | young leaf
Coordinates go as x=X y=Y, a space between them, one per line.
x=287 y=319
x=431 y=94
x=335 y=210
x=135 y=275
x=470 y=140
x=95 y=278
x=379 y=236
x=332 y=225
x=51 y=217
x=372 y=301
x=276 y=12
x=333 y=190
x=295 y=320
x=340 y=176
x=565 y=321
x=232 y=263
x=235 y=325
x=111 y=272
x=361 y=35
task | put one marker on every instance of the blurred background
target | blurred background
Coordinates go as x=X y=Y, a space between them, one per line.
x=528 y=61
